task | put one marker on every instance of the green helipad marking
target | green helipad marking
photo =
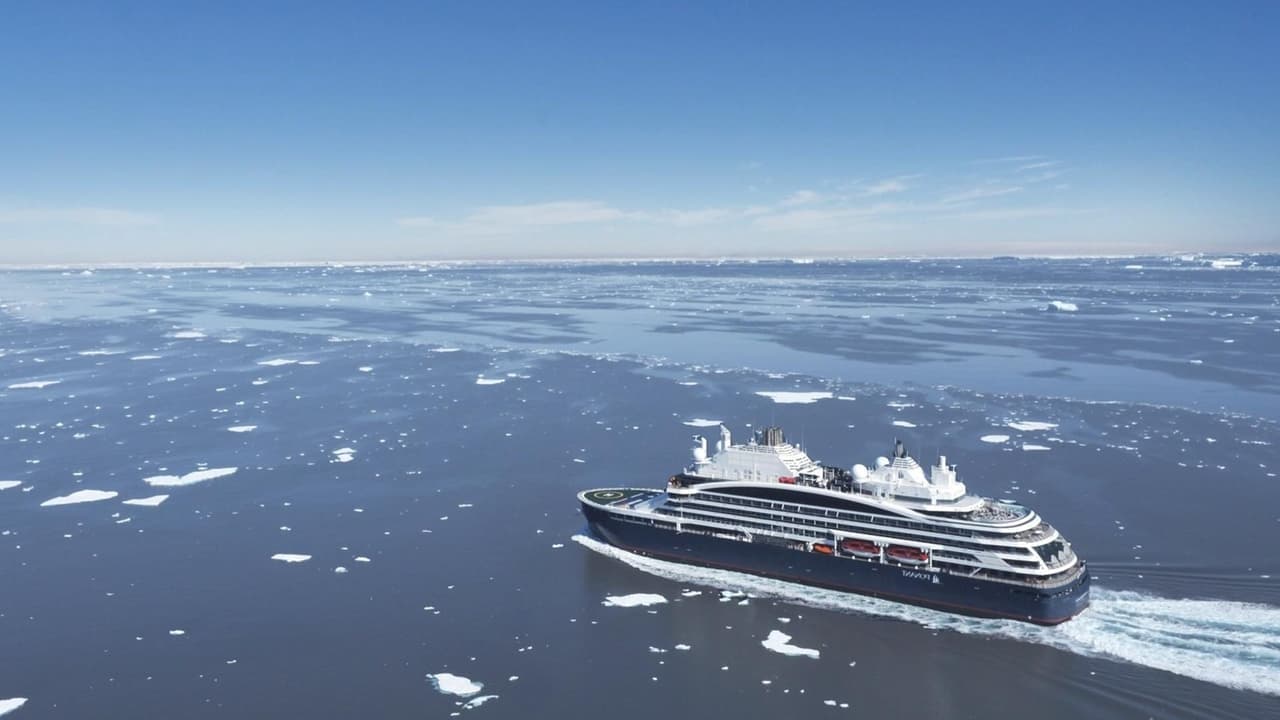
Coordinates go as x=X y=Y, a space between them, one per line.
x=610 y=496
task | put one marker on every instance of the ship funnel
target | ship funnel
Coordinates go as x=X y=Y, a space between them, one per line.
x=899 y=450
x=725 y=437
x=699 y=450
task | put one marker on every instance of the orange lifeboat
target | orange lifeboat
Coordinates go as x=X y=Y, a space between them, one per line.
x=859 y=548
x=910 y=556
x=786 y=480
x=824 y=549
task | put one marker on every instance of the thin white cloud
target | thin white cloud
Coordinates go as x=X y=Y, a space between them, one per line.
x=890 y=185
x=77 y=216
x=980 y=192
x=1041 y=164
x=800 y=197
x=503 y=219
x=1009 y=159
x=1014 y=213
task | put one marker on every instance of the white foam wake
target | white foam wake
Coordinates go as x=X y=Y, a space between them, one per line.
x=1236 y=645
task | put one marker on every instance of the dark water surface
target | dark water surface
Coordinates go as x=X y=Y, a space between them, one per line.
x=382 y=443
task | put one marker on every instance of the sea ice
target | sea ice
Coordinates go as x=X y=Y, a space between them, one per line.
x=188 y=334
x=340 y=570
x=1027 y=446
x=80 y=496
x=789 y=397
x=345 y=454
x=490 y=381
x=290 y=557
x=903 y=423
x=1030 y=425
x=365 y=368
x=994 y=438
x=780 y=642
x=478 y=701
x=633 y=600
x=6 y=484
x=701 y=422
x=11 y=704
x=145 y=357
x=277 y=362
x=242 y=428
x=190 y=478
x=152 y=501
x=1061 y=306
x=455 y=684
x=33 y=385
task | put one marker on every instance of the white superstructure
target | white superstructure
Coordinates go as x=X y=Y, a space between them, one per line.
x=769 y=490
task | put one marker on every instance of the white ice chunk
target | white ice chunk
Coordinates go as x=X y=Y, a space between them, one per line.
x=1030 y=425
x=190 y=478
x=490 y=381
x=33 y=385
x=242 y=428
x=633 y=600
x=701 y=422
x=780 y=642
x=188 y=335
x=80 y=496
x=152 y=501
x=290 y=557
x=455 y=684
x=277 y=362
x=994 y=438
x=6 y=484
x=478 y=701
x=145 y=357
x=903 y=423
x=1061 y=306
x=11 y=704
x=789 y=397
x=1029 y=447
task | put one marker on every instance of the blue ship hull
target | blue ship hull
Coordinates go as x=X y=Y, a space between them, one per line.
x=918 y=586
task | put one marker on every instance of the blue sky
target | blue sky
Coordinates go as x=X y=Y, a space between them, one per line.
x=245 y=131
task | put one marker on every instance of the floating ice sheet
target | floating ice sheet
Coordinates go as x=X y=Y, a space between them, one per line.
x=451 y=684
x=702 y=422
x=11 y=704
x=1031 y=425
x=80 y=496
x=242 y=428
x=994 y=438
x=634 y=600
x=33 y=384
x=788 y=397
x=6 y=484
x=290 y=557
x=190 y=478
x=152 y=501
x=780 y=642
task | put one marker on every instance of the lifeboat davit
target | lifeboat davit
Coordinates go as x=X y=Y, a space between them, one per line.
x=859 y=548
x=824 y=549
x=910 y=556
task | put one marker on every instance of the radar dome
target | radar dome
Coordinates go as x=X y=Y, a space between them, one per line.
x=882 y=461
x=860 y=471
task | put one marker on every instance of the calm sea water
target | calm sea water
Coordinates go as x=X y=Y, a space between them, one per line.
x=419 y=433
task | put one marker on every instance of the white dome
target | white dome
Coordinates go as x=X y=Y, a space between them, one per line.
x=882 y=461
x=860 y=471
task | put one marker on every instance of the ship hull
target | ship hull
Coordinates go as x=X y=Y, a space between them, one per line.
x=918 y=586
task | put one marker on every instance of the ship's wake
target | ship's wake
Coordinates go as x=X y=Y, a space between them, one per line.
x=1236 y=645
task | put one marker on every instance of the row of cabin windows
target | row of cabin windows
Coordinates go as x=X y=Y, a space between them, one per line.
x=867 y=515
x=694 y=505
x=770 y=527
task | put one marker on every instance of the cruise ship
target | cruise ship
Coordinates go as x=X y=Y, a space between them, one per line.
x=890 y=531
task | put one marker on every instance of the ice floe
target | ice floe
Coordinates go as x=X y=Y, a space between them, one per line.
x=345 y=454
x=994 y=438
x=188 y=335
x=1030 y=447
x=152 y=501
x=1062 y=306
x=80 y=496
x=33 y=384
x=290 y=557
x=780 y=642
x=1031 y=425
x=242 y=428
x=145 y=357
x=451 y=684
x=277 y=362
x=190 y=478
x=702 y=422
x=903 y=423
x=490 y=381
x=476 y=702
x=633 y=600
x=6 y=484
x=788 y=397
x=11 y=704
x=340 y=570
